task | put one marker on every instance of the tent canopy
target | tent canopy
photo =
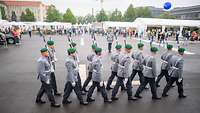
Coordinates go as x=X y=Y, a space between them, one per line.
x=167 y=22
x=119 y=24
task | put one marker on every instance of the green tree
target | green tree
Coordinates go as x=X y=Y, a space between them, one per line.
x=89 y=18
x=101 y=16
x=129 y=14
x=80 y=20
x=53 y=14
x=69 y=17
x=166 y=15
x=143 y=12
x=3 y=14
x=116 y=15
x=28 y=16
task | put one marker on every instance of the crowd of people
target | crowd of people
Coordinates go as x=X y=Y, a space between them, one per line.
x=126 y=64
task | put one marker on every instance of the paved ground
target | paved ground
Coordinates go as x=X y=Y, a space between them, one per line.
x=18 y=84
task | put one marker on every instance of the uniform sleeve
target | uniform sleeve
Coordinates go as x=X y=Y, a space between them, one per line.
x=113 y=58
x=70 y=72
x=154 y=67
x=141 y=58
x=180 y=66
x=127 y=67
x=162 y=56
x=89 y=58
x=96 y=66
x=41 y=71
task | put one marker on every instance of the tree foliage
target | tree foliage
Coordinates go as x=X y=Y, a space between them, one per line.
x=116 y=15
x=28 y=16
x=102 y=16
x=166 y=15
x=53 y=14
x=69 y=17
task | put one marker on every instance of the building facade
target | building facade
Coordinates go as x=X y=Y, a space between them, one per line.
x=187 y=13
x=37 y=7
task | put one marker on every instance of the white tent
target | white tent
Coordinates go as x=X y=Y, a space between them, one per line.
x=167 y=22
x=4 y=23
x=107 y=24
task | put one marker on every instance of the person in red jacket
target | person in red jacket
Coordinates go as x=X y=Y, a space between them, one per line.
x=16 y=35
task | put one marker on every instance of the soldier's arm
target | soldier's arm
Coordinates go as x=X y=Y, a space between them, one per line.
x=113 y=58
x=154 y=67
x=41 y=71
x=180 y=66
x=89 y=58
x=162 y=56
x=126 y=66
x=70 y=71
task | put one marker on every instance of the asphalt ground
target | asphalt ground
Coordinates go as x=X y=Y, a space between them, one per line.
x=19 y=86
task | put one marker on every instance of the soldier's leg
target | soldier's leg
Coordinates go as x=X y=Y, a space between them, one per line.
x=67 y=92
x=79 y=81
x=116 y=88
x=78 y=93
x=152 y=84
x=110 y=79
x=168 y=86
x=48 y=91
x=134 y=72
x=159 y=77
x=103 y=91
x=141 y=87
x=167 y=77
x=53 y=82
x=180 y=87
x=87 y=81
x=40 y=93
x=91 y=90
x=129 y=88
x=141 y=76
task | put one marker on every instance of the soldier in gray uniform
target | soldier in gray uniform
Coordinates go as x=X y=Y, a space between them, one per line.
x=72 y=78
x=96 y=77
x=114 y=68
x=110 y=39
x=149 y=74
x=123 y=73
x=89 y=58
x=53 y=59
x=44 y=71
x=137 y=63
x=175 y=72
x=77 y=62
x=165 y=65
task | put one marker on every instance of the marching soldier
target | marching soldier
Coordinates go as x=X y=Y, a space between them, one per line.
x=96 y=77
x=137 y=63
x=72 y=78
x=44 y=72
x=149 y=74
x=176 y=71
x=123 y=73
x=53 y=59
x=114 y=68
x=77 y=61
x=89 y=58
x=165 y=65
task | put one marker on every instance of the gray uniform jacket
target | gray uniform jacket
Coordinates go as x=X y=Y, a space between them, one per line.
x=97 y=65
x=115 y=59
x=89 y=58
x=110 y=38
x=72 y=69
x=176 y=66
x=165 y=60
x=137 y=60
x=149 y=67
x=125 y=66
x=43 y=69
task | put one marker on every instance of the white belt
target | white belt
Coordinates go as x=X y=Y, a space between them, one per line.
x=94 y=70
x=173 y=67
x=147 y=67
x=121 y=66
x=47 y=71
x=164 y=61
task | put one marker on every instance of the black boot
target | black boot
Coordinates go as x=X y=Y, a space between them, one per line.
x=57 y=93
x=114 y=98
x=55 y=105
x=66 y=101
x=132 y=98
x=138 y=96
x=109 y=88
x=106 y=100
x=165 y=95
x=182 y=96
x=156 y=98
x=89 y=99
x=39 y=101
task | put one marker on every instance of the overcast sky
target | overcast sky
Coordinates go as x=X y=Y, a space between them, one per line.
x=83 y=7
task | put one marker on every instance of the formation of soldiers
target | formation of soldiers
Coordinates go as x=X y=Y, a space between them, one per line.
x=125 y=67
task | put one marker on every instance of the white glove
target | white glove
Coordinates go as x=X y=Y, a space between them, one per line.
x=48 y=81
x=55 y=59
x=52 y=70
x=180 y=79
x=101 y=84
x=126 y=80
x=73 y=84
